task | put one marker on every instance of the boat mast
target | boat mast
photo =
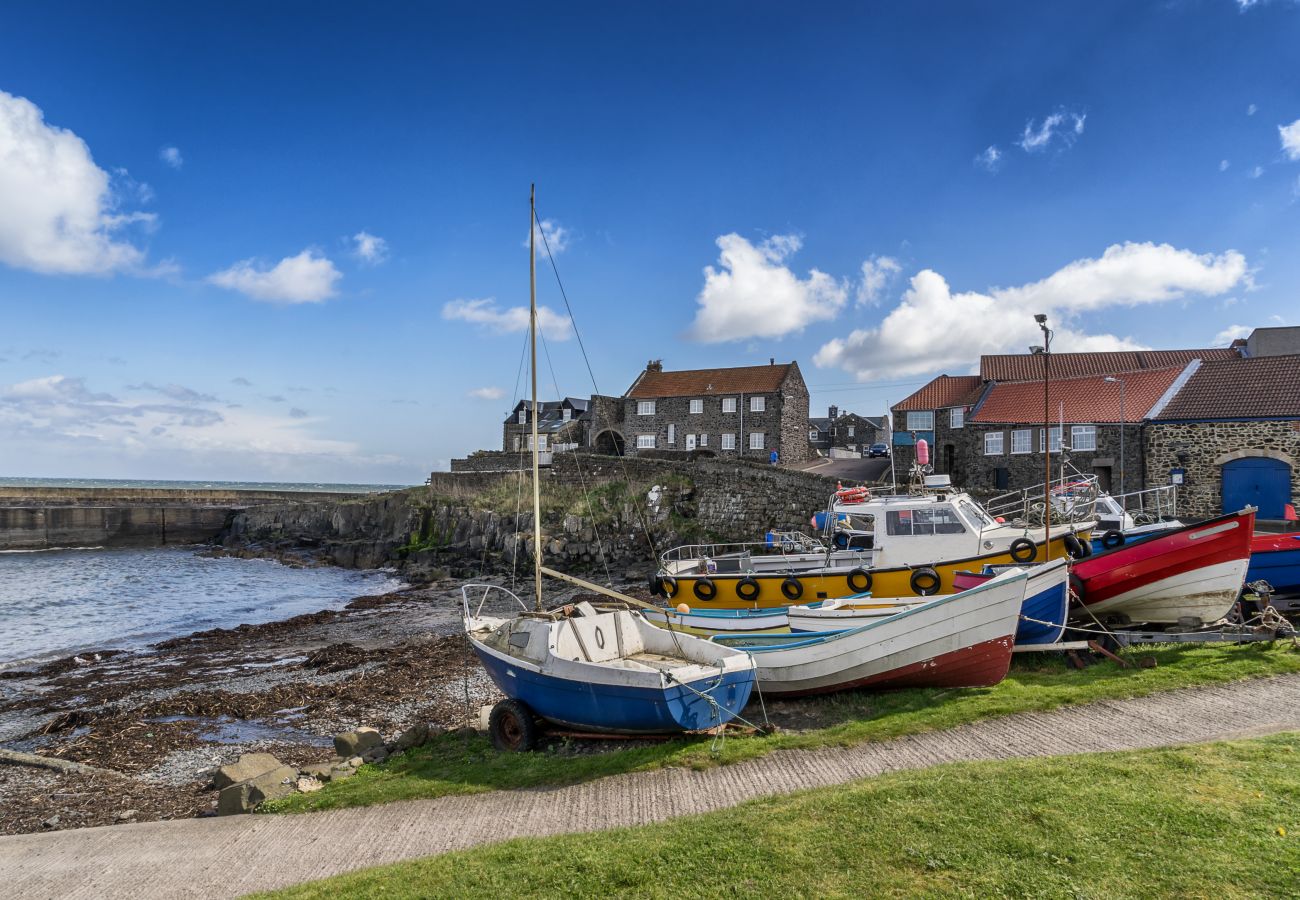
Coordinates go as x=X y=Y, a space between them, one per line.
x=532 y=337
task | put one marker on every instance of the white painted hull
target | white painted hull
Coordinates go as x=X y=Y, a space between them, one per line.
x=1207 y=593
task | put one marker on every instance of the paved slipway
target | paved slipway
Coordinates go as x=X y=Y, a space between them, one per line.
x=232 y=856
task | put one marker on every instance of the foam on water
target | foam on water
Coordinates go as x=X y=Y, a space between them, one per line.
x=60 y=602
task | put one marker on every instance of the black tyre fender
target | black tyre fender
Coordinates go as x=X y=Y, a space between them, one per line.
x=668 y=586
x=1087 y=548
x=747 y=589
x=792 y=589
x=925 y=581
x=655 y=584
x=859 y=581
x=1072 y=546
x=705 y=589
x=513 y=727
x=1023 y=550
x=1112 y=539
x=1076 y=590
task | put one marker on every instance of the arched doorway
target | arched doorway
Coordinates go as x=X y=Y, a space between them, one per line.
x=610 y=443
x=1259 y=481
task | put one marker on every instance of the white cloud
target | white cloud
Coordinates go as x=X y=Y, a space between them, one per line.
x=934 y=329
x=753 y=294
x=877 y=273
x=171 y=156
x=177 y=392
x=370 y=248
x=1255 y=172
x=1223 y=165
x=990 y=159
x=1062 y=126
x=305 y=278
x=485 y=312
x=1230 y=334
x=59 y=212
x=1290 y=135
x=551 y=234
x=1252 y=109
x=487 y=393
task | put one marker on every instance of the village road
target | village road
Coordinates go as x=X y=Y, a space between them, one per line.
x=231 y=856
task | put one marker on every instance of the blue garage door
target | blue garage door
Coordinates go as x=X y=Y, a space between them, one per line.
x=1256 y=481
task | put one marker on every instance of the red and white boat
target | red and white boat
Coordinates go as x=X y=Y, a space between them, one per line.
x=1195 y=571
x=961 y=640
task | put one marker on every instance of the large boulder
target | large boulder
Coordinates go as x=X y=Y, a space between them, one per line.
x=411 y=737
x=356 y=743
x=246 y=796
x=250 y=765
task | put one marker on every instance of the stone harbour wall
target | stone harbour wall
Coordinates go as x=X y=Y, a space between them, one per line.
x=52 y=527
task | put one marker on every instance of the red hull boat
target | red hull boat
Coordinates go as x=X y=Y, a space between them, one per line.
x=1191 y=572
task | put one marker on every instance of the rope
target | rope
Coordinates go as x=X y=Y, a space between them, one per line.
x=715 y=708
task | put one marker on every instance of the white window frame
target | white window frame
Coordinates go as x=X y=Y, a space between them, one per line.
x=994 y=443
x=728 y=404
x=1056 y=439
x=672 y=434
x=697 y=407
x=541 y=443
x=812 y=434
x=704 y=440
x=728 y=441
x=957 y=417
x=566 y=414
x=1022 y=441
x=1083 y=431
x=916 y=417
x=523 y=417
x=851 y=427
x=757 y=440
x=758 y=403
x=645 y=441
x=645 y=407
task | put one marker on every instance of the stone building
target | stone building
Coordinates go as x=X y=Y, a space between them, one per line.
x=745 y=411
x=1001 y=446
x=1271 y=342
x=936 y=414
x=561 y=425
x=846 y=430
x=1231 y=435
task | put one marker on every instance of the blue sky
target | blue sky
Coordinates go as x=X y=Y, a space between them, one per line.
x=286 y=241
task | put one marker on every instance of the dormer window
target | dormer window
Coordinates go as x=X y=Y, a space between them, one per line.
x=567 y=414
x=523 y=417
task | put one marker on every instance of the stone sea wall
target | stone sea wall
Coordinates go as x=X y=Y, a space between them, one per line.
x=49 y=527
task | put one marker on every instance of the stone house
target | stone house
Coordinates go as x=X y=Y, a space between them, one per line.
x=937 y=414
x=1231 y=435
x=1002 y=444
x=561 y=425
x=745 y=411
x=845 y=430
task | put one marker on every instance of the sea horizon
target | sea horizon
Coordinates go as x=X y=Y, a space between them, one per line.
x=212 y=484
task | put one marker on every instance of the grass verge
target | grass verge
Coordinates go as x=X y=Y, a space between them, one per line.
x=1212 y=820
x=455 y=764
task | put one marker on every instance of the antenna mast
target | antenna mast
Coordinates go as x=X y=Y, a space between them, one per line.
x=532 y=336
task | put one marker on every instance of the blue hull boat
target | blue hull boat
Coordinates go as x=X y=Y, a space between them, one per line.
x=1046 y=604
x=1275 y=558
x=608 y=669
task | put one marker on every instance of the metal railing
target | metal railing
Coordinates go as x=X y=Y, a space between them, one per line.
x=783 y=542
x=1151 y=505
x=1074 y=499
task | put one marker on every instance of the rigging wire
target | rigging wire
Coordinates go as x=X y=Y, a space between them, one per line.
x=645 y=523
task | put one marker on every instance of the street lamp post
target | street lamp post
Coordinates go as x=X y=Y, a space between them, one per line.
x=1041 y=319
x=1123 y=421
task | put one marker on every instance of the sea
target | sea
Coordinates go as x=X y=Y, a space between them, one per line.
x=200 y=485
x=55 y=603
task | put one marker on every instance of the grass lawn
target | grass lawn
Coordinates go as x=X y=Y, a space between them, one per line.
x=1211 y=820
x=455 y=764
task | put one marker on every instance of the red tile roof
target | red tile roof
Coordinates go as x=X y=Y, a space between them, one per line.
x=1028 y=367
x=944 y=391
x=706 y=382
x=1257 y=388
x=1087 y=400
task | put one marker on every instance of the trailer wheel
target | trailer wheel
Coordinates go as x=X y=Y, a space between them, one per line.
x=512 y=727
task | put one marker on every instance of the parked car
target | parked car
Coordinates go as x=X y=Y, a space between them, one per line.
x=877 y=450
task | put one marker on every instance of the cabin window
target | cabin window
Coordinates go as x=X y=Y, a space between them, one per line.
x=942 y=520
x=957 y=417
x=645 y=441
x=645 y=407
x=1083 y=437
x=975 y=514
x=920 y=420
x=728 y=442
x=1022 y=440
x=757 y=404
x=728 y=404
x=697 y=407
x=993 y=443
x=1056 y=439
x=672 y=433
x=756 y=440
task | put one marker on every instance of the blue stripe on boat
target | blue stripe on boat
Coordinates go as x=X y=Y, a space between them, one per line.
x=1280 y=568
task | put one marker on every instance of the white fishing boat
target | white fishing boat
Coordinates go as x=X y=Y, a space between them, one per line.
x=962 y=640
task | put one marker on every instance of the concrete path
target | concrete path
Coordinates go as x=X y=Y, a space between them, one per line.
x=232 y=856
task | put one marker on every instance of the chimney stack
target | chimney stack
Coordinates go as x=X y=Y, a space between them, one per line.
x=655 y=365
x=771 y=360
x=834 y=412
